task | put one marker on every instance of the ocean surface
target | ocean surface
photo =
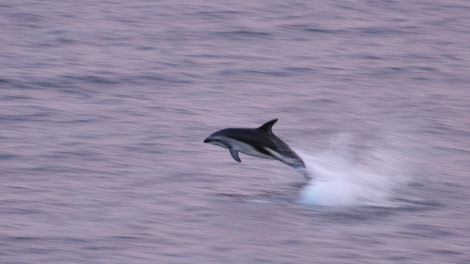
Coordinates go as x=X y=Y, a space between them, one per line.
x=104 y=106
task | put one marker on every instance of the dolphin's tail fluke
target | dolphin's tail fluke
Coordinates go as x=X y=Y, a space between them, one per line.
x=299 y=165
x=296 y=162
x=304 y=171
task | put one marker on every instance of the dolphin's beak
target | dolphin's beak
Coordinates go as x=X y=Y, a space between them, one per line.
x=207 y=140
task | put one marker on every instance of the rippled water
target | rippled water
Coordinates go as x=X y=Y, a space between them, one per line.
x=104 y=107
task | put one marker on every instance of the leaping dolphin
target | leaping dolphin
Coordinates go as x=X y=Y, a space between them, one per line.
x=259 y=142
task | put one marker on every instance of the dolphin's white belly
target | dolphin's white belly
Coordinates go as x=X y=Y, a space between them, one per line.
x=248 y=149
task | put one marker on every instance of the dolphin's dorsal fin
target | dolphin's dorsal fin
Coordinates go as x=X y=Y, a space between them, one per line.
x=268 y=126
x=234 y=154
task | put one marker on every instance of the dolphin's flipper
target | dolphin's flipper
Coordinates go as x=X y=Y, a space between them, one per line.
x=234 y=154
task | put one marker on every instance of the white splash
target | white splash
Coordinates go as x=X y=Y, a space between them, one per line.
x=341 y=177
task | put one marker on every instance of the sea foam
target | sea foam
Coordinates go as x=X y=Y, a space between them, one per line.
x=347 y=175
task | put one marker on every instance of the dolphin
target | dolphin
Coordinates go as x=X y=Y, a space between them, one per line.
x=259 y=142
